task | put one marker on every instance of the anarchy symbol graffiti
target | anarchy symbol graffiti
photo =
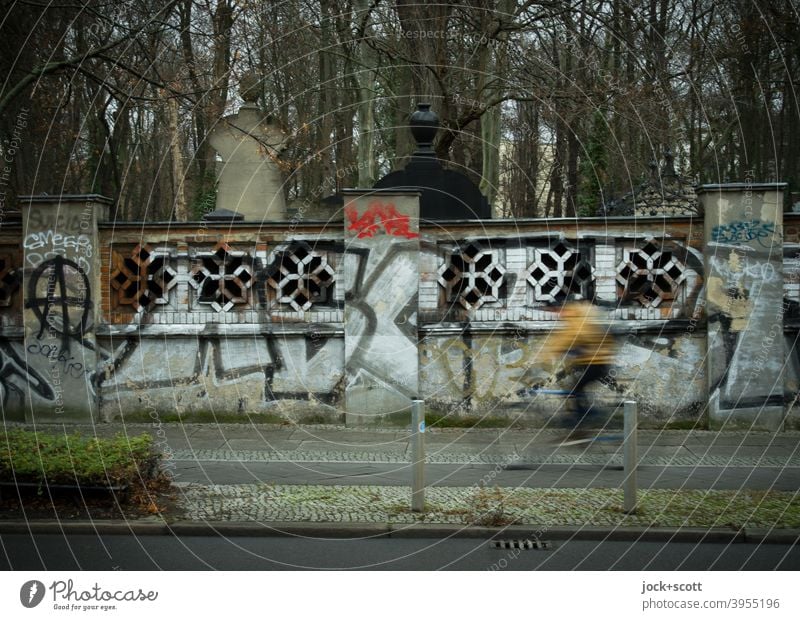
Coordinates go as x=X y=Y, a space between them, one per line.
x=58 y=294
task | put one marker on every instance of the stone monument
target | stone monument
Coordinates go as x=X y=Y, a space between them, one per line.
x=249 y=143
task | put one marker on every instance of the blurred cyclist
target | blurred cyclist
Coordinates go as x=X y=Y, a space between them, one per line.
x=587 y=349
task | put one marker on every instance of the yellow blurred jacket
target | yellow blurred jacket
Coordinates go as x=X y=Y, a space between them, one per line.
x=581 y=338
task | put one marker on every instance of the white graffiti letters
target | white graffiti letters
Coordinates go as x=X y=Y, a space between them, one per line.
x=81 y=243
x=42 y=246
x=747 y=268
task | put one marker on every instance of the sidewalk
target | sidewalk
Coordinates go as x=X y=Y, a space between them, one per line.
x=326 y=444
x=267 y=474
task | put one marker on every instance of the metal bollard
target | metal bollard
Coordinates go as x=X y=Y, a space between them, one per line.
x=630 y=457
x=417 y=456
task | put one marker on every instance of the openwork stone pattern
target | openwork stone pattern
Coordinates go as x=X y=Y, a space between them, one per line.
x=9 y=280
x=301 y=277
x=560 y=272
x=222 y=277
x=472 y=276
x=651 y=274
x=143 y=279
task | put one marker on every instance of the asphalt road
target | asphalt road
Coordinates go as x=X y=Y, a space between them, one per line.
x=120 y=552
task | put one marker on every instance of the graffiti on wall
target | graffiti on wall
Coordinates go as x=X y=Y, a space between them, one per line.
x=741 y=232
x=657 y=272
x=17 y=378
x=381 y=312
x=379 y=218
x=48 y=244
x=304 y=275
x=59 y=296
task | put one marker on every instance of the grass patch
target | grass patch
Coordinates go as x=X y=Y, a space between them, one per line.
x=492 y=507
x=197 y=417
x=690 y=424
x=70 y=459
x=319 y=419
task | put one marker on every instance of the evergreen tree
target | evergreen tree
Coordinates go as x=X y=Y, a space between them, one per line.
x=593 y=166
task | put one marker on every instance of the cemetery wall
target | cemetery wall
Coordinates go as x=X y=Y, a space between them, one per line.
x=240 y=321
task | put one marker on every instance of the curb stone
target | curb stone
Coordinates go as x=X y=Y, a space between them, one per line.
x=759 y=535
x=379 y=530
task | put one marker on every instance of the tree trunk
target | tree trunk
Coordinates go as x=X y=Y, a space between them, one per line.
x=366 y=78
x=403 y=108
x=490 y=143
x=181 y=212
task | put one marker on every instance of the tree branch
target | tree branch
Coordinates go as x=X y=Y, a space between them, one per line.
x=53 y=67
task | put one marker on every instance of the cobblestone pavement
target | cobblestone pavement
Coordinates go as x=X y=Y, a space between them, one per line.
x=580 y=457
x=475 y=505
x=249 y=442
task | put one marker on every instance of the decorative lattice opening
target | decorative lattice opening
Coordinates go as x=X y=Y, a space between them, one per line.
x=472 y=276
x=143 y=279
x=222 y=277
x=9 y=280
x=559 y=273
x=650 y=275
x=301 y=276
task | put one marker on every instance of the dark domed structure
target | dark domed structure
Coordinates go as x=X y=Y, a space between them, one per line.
x=446 y=194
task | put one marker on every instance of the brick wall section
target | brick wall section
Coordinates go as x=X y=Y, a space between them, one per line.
x=261 y=239
x=510 y=242
x=257 y=240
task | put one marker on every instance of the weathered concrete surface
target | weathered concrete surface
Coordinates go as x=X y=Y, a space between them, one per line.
x=208 y=377
x=380 y=318
x=250 y=181
x=488 y=375
x=744 y=304
x=60 y=297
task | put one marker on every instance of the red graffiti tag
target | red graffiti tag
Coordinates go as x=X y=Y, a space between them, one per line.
x=376 y=216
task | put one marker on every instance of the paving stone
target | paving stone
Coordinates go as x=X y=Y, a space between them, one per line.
x=269 y=444
x=474 y=505
x=561 y=457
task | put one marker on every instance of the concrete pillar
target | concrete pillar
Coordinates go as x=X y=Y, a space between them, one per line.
x=61 y=284
x=744 y=304
x=381 y=271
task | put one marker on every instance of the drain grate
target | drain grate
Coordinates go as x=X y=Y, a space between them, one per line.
x=525 y=543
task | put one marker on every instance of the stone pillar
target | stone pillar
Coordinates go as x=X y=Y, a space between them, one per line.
x=61 y=284
x=381 y=272
x=744 y=304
